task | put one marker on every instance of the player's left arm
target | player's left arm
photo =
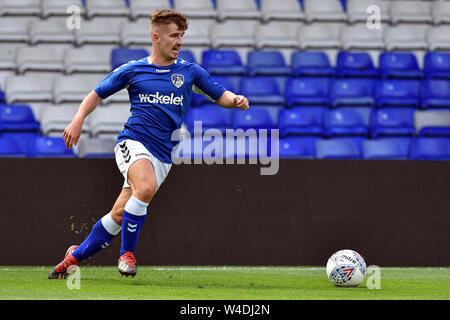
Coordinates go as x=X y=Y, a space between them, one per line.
x=231 y=100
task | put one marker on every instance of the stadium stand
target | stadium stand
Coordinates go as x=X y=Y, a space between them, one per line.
x=311 y=68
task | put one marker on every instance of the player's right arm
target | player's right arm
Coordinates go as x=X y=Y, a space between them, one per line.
x=72 y=133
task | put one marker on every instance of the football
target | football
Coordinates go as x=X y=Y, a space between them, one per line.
x=346 y=268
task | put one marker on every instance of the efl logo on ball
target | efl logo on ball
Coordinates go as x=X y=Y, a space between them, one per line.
x=346 y=268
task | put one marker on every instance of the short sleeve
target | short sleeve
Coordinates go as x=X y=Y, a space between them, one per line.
x=207 y=84
x=115 y=81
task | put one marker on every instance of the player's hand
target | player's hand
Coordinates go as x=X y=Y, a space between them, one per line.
x=241 y=102
x=72 y=134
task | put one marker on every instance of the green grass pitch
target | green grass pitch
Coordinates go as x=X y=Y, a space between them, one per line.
x=219 y=283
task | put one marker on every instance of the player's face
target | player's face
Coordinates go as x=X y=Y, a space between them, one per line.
x=170 y=41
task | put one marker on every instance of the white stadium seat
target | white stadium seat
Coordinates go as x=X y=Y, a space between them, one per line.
x=405 y=37
x=106 y=122
x=8 y=58
x=438 y=38
x=410 y=12
x=143 y=8
x=198 y=32
x=88 y=59
x=95 y=147
x=30 y=87
x=59 y=7
x=74 y=88
x=319 y=35
x=277 y=34
x=99 y=30
x=51 y=30
x=40 y=58
x=20 y=7
x=14 y=29
x=324 y=10
x=55 y=118
x=431 y=118
x=357 y=10
x=237 y=9
x=106 y=8
x=440 y=12
x=238 y=33
x=358 y=36
x=281 y=10
x=195 y=8
x=136 y=32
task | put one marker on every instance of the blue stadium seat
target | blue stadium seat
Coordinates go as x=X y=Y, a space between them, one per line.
x=212 y=116
x=347 y=121
x=298 y=147
x=225 y=62
x=435 y=93
x=307 y=91
x=262 y=63
x=430 y=148
x=261 y=90
x=437 y=65
x=310 y=64
x=22 y=138
x=2 y=96
x=49 y=147
x=398 y=93
x=119 y=56
x=386 y=149
x=401 y=65
x=17 y=118
x=355 y=64
x=352 y=92
x=255 y=118
x=338 y=149
x=10 y=148
x=392 y=122
x=226 y=81
x=301 y=121
x=187 y=55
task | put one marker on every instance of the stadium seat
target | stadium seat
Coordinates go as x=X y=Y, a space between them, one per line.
x=432 y=122
x=22 y=138
x=357 y=10
x=261 y=90
x=405 y=37
x=225 y=81
x=438 y=38
x=96 y=148
x=338 y=148
x=430 y=148
x=225 y=62
x=440 y=12
x=55 y=119
x=22 y=7
x=307 y=91
x=196 y=8
x=237 y=9
x=261 y=63
x=359 y=37
x=10 y=148
x=318 y=36
x=59 y=7
x=311 y=63
x=386 y=149
x=254 y=118
x=347 y=121
x=53 y=30
x=187 y=55
x=135 y=33
x=233 y=33
x=99 y=31
x=106 y=8
x=75 y=87
x=276 y=34
x=40 y=59
x=355 y=64
x=301 y=121
x=8 y=58
x=323 y=10
x=352 y=92
x=142 y=8
x=14 y=29
x=120 y=56
x=17 y=118
x=401 y=65
x=281 y=10
x=435 y=93
x=198 y=33
x=437 y=65
x=107 y=122
x=49 y=147
x=297 y=147
x=392 y=122
x=394 y=92
x=30 y=87
x=90 y=59
x=211 y=116
x=410 y=12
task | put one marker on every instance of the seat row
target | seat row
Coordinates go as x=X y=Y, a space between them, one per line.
x=308 y=10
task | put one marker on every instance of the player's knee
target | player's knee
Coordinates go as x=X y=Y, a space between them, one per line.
x=144 y=192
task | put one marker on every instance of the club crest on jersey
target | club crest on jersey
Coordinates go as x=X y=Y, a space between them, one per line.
x=177 y=80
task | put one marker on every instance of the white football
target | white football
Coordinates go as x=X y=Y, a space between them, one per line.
x=346 y=268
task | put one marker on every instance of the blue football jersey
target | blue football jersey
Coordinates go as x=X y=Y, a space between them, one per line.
x=159 y=97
